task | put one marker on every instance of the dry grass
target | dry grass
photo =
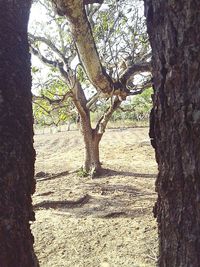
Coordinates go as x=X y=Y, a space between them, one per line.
x=107 y=221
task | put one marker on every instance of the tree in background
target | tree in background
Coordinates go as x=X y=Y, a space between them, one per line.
x=108 y=47
x=173 y=28
x=16 y=134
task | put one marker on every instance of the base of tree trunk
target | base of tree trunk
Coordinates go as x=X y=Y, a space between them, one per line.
x=93 y=170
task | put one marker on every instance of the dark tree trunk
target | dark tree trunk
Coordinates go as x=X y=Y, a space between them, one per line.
x=174 y=30
x=91 y=138
x=16 y=137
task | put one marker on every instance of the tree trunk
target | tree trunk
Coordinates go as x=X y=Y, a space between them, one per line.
x=16 y=138
x=173 y=27
x=92 y=163
x=91 y=138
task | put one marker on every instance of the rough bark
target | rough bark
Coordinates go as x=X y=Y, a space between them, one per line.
x=16 y=138
x=92 y=139
x=173 y=28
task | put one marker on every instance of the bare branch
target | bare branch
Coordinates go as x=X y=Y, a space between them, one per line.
x=47 y=111
x=102 y=123
x=53 y=101
x=46 y=61
x=141 y=88
x=33 y=39
x=65 y=74
x=134 y=69
x=91 y=10
x=93 y=100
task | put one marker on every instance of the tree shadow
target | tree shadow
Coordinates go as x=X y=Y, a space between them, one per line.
x=109 y=172
x=101 y=200
x=107 y=204
x=95 y=207
x=108 y=189
x=58 y=204
x=43 y=176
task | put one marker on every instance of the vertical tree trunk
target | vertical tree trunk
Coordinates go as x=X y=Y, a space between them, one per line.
x=16 y=137
x=92 y=162
x=91 y=138
x=173 y=28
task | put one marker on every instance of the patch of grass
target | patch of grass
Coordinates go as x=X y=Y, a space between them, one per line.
x=82 y=173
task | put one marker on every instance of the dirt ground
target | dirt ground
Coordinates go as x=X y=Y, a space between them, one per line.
x=104 y=222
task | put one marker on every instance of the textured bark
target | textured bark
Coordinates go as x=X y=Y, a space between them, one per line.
x=16 y=138
x=91 y=136
x=82 y=34
x=173 y=28
x=92 y=139
x=92 y=163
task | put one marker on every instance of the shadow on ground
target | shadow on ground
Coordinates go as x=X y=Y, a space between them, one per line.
x=100 y=200
x=110 y=172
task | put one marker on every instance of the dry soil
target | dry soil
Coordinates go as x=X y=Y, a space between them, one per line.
x=104 y=222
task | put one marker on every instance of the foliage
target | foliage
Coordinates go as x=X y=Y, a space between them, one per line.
x=136 y=108
x=47 y=107
x=142 y=104
x=82 y=173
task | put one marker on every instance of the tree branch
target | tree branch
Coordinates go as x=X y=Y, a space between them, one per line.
x=33 y=39
x=87 y=2
x=101 y=125
x=93 y=100
x=134 y=69
x=47 y=111
x=79 y=99
x=51 y=63
x=139 y=89
x=52 y=101
x=81 y=31
x=82 y=34
x=46 y=61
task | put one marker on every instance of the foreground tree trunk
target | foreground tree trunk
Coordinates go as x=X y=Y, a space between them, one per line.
x=16 y=138
x=173 y=28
